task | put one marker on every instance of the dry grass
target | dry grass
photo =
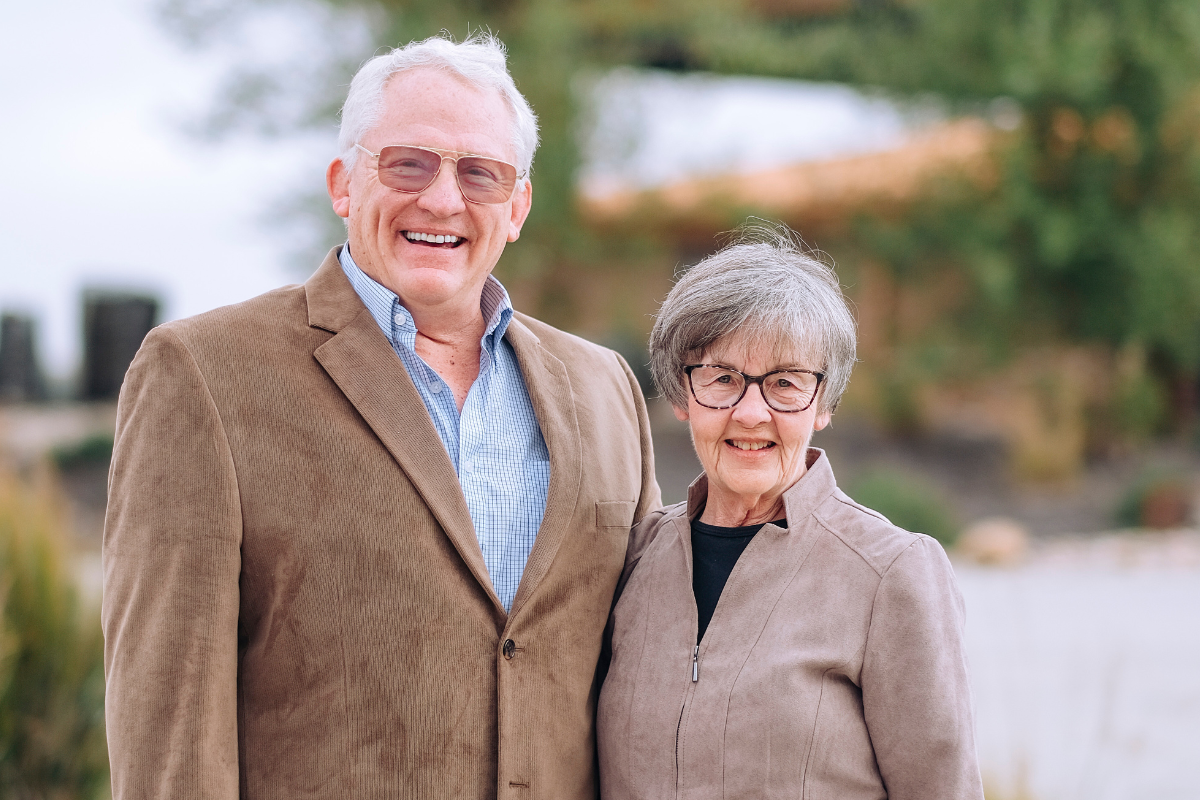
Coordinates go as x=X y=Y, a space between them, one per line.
x=51 y=654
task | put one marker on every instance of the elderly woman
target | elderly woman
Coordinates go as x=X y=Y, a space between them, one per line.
x=773 y=638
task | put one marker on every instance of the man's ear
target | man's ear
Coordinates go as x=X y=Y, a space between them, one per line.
x=337 y=182
x=521 y=203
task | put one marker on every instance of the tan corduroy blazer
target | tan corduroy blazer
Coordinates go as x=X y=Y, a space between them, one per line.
x=295 y=603
x=833 y=668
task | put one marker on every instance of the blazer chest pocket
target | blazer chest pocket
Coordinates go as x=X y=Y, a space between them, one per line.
x=615 y=513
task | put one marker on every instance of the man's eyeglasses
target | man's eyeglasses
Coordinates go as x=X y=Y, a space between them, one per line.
x=412 y=169
x=786 y=390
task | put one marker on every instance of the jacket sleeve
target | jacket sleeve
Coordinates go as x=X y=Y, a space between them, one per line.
x=915 y=690
x=171 y=555
x=650 y=498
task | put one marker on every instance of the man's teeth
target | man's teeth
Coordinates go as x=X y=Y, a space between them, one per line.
x=432 y=238
x=750 y=445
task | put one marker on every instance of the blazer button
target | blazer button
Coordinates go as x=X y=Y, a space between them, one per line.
x=509 y=649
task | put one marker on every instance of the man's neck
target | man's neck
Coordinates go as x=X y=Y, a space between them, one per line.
x=451 y=347
x=450 y=321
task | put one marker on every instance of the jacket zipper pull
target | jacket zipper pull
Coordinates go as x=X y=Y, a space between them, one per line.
x=696 y=664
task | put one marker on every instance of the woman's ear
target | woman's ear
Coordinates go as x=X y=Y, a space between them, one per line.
x=681 y=414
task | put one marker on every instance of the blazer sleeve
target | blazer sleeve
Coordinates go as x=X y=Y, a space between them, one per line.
x=650 y=498
x=915 y=690
x=171 y=555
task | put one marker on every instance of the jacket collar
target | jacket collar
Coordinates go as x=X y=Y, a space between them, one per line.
x=332 y=302
x=799 y=500
x=553 y=400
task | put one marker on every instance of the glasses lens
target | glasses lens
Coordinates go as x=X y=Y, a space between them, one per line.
x=790 y=391
x=715 y=387
x=486 y=180
x=408 y=169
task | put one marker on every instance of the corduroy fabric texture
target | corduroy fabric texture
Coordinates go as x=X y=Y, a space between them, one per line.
x=833 y=667
x=295 y=603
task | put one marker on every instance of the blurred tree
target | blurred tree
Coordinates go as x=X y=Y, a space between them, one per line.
x=1090 y=229
x=51 y=660
x=551 y=44
x=1086 y=232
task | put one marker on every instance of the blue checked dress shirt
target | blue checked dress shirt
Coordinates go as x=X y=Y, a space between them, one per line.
x=496 y=444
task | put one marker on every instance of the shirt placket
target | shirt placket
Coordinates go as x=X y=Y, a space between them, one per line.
x=433 y=390
x=473 y=475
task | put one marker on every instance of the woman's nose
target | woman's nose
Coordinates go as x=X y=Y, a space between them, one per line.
x=752 y=408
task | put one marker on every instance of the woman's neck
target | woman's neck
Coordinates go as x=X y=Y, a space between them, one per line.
x=736 y=511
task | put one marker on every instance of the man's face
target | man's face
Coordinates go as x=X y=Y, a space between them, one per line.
x=430 y=108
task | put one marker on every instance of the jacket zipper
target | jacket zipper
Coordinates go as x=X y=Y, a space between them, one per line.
x=679 y=726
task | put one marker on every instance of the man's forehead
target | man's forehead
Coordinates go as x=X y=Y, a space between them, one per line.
x=425 y=105
x=443 y=83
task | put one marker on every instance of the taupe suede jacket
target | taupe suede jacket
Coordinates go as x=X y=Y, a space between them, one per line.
x=833 y=668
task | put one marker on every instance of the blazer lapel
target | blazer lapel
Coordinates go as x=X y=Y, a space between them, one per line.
x=554 y=404
x=362 y=363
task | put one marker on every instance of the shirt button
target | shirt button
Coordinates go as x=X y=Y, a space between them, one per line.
x=398 y=319
x=509 y=649
x=435 y=387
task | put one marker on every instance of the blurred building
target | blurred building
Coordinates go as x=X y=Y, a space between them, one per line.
x=114 y=325
x=21 y=377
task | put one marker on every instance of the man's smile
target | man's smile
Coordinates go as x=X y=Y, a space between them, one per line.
x=433 y=239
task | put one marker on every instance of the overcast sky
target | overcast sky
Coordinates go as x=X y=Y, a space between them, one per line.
x=104 y=189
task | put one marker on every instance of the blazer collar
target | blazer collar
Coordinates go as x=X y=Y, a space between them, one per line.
x=553 y=400
x=799 y=500
x=332 y=302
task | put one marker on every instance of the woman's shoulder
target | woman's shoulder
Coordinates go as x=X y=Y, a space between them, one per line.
x=646 y=530
x=870 y=534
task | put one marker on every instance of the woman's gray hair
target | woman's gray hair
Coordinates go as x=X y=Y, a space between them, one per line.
x=479 y=59
x=766 y=289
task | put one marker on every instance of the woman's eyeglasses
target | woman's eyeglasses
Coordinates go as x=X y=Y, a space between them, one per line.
x=412 y=170
x=786 y=390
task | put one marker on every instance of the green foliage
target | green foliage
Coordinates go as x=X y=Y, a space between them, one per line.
x=95 y=450
x=1089 y=229
x=906 y=500
x=1158 y=498
x=51 y=661
x=1085 y=231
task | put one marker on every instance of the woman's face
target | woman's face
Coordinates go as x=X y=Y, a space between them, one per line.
x=750 y=452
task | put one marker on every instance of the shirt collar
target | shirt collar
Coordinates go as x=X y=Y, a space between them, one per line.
x=395 y=321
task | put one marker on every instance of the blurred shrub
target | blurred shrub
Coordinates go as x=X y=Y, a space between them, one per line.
x=906 y=500
x=1158 y=499
x=1140 y=407
x=52 y=741
x=94 y=451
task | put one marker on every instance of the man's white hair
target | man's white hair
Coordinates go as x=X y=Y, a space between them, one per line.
x=480 y=60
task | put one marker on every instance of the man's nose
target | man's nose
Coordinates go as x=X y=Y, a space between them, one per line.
x=443 y=198
x=752 y=409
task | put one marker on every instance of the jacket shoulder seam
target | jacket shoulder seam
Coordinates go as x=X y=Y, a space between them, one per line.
x=880 y=570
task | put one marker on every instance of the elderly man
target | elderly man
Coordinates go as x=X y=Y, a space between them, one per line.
x=363 y=533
